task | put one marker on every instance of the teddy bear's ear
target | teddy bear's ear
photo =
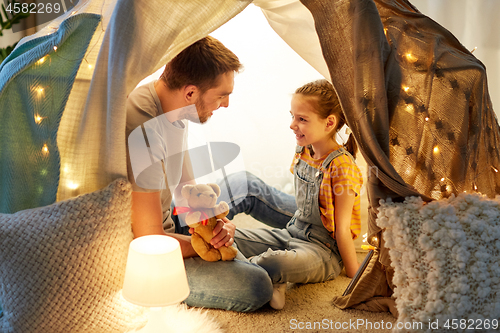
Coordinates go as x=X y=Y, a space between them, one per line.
x=215 y=187
x=186 y=190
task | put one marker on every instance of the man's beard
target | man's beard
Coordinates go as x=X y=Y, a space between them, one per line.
x=196 y=112
x=201 y=108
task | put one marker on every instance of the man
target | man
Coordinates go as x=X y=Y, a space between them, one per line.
x=194 y=84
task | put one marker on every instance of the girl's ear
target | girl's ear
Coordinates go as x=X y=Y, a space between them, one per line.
x=331 y=122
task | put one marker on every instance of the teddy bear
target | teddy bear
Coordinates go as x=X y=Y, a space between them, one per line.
x=202 y=216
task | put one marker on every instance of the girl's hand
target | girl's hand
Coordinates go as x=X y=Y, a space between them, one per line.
x=223 y=233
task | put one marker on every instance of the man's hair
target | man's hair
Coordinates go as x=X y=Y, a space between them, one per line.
x=200 y=64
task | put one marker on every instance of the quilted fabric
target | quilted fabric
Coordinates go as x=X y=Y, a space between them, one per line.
x=62 y=266
x=446 y=257
x=35 y=83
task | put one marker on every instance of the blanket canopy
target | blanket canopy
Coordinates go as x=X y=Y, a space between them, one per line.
x=415 y=99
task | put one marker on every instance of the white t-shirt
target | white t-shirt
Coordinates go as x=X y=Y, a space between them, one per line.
x=155 y=148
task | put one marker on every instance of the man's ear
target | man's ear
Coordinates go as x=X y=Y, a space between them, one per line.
x=191 y=93
x=186 y=191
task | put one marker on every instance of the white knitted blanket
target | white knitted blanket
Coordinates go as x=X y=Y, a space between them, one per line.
x=446 y=260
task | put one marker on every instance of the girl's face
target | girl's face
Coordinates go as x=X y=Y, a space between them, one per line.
x=309 y=128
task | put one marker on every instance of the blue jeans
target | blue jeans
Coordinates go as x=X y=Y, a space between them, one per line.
x=304 y=251
x=301 y=253
x=238 y=285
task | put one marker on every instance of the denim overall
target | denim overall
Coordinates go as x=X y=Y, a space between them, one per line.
x=304 y=252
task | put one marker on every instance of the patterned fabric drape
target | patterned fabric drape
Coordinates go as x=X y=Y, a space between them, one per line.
x=415 y=98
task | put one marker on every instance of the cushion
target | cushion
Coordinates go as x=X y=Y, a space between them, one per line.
x=446 y=257
x=62 y=266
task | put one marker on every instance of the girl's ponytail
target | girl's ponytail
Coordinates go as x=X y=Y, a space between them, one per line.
x=351 y=146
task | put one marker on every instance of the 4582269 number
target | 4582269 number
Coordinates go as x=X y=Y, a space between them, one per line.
x=33 y=8
x=471 y=324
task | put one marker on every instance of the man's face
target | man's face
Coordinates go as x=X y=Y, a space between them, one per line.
x=215 y=97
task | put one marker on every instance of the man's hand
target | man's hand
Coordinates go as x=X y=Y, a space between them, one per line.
x=223 y=233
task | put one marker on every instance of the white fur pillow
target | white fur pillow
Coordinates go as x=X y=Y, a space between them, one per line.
x=446 y=256
x=62 y=266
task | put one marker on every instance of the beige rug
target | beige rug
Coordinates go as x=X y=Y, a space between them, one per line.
x=308 y=308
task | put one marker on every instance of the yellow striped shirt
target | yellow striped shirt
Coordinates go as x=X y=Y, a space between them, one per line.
x=342 y=174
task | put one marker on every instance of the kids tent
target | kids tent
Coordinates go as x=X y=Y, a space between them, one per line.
x=415 y=99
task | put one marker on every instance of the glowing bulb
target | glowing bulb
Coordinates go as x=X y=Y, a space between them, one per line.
x=410 y=57
x=426 y=118
x=45 y=149
x=89 y=66
x=73 y=12
x=494 y=169
x=367 y=246
x=442 y=179
x=55 y=48
x=41 y=60
x=38 y=119
x=385 y=32
x=475 y=187
x=474 y=49
x=436 y=149
x=410 y=108
x=39 y=91
x=405 y=88
x=71 y=185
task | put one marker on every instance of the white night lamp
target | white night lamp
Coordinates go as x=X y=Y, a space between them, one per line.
x=155 y=277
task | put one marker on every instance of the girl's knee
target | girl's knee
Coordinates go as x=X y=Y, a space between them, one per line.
x=274 y=262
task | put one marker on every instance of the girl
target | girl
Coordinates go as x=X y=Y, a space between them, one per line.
x=318 y=240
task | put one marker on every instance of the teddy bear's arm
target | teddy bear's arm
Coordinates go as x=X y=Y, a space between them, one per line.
x=221 y=210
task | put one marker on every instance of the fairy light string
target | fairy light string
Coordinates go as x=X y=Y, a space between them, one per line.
x=41 y=94
x=418 y=109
